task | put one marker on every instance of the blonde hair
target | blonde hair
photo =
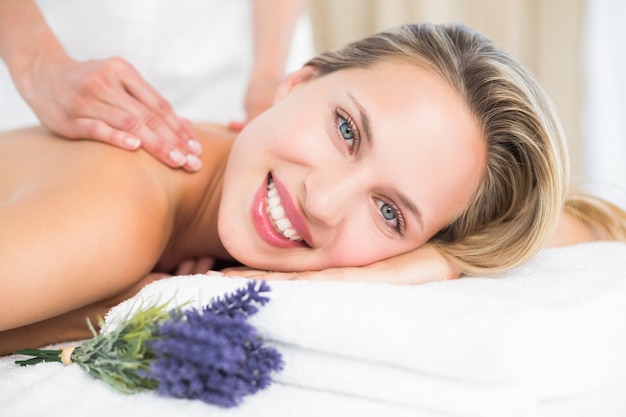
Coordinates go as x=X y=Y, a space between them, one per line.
x=607 y=219
x=518 y=204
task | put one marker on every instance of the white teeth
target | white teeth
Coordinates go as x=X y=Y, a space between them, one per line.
x=283 y=223
x=273 y=202
x=277 y=214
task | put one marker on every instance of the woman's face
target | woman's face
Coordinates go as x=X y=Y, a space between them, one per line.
x=349 y=168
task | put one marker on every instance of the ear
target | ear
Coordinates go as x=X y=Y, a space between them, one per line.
x=293 y=80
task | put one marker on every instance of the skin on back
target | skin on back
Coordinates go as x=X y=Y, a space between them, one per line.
x=84 y=222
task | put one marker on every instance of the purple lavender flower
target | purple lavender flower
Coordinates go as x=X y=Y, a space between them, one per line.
x=214 y=355
x=241 y=302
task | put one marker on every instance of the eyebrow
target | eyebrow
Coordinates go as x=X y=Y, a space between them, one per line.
x=365 y=123
x=412 y=208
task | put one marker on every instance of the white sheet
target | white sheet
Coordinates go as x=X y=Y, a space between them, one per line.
x=546 y=340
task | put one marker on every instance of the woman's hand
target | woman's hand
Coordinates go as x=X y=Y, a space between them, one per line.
x=104 y=100
x=108 y=101
x=195 y=266
x=422 y=265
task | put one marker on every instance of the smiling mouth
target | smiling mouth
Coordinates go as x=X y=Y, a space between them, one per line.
x=276 y=213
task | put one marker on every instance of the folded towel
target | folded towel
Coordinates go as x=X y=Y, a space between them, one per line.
x=553 y=332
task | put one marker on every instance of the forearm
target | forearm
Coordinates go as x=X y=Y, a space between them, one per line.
x=419 y=266
x=274 y=23
x=26 y=40
x=67 y=327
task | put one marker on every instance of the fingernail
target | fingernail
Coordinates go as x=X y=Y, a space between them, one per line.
x=177 y=157
x=132 y=143
x=194 y=162
x=195 y=147
x=236 y=126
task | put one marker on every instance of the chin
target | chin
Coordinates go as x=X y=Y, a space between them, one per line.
x=238 y=245
x=256 y=258
x=231 y=240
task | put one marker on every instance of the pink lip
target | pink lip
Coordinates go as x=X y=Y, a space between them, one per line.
x=263 y=224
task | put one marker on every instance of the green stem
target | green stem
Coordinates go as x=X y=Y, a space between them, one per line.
x=39 y=355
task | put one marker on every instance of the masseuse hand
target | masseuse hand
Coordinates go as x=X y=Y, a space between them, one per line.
x=422 y=265
x=108 y=101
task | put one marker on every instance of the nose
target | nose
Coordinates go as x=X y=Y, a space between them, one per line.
x=329 y=194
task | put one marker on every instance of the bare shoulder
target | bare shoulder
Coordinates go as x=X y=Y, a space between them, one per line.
x=572 y=230
x=80 y=221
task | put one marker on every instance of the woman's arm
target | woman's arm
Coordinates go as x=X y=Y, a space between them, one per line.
x=104 y=100
x=422 y=265
x=274 y=22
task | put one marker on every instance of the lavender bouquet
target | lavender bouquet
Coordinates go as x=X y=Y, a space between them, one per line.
x=212 y=354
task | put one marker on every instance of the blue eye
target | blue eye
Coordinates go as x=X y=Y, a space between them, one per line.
x=347 y=129
x=347 y=133
x=392 y=215
x=388 y=212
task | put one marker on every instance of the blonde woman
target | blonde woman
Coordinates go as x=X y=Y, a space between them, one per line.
x=418 y=154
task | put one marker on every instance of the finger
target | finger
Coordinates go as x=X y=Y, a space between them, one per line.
x=256 y=274
x=324 y=275
x=96 y=129
x=344 y=274
x=102 y=132
x=112 y=125
x=240 y=272
x=332 y=274
x=140 y=108
x=236 y=126
x=280 y=276
x=161 y=117
x=172 y=154
x=156 y=137
x=150 y=117
x=186 y=122
x=185 y=267
x=203 y=265
x=266 y=275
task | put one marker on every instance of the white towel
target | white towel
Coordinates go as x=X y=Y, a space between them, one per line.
x=537 y=340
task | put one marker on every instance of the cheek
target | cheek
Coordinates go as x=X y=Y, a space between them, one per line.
x=364 y=244
x=295 y=127
x=228 y=228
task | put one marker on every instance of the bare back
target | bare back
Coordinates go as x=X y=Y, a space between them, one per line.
x=82 y=221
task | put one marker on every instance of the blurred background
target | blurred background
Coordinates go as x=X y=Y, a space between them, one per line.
x=575 y=48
